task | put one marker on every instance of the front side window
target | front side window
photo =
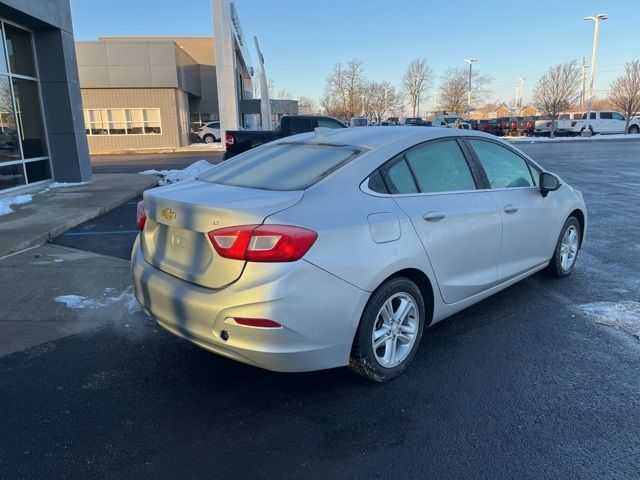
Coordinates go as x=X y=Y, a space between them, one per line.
x=300 y=125
x=281 y=167
x=617 y=116
x=440 y=167
x=504 y=168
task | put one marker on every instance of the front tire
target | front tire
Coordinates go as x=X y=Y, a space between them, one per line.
x=634 y=129
x=566 y=252
x=390 y=331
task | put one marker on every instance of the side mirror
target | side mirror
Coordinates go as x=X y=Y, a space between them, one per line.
x=549 y=183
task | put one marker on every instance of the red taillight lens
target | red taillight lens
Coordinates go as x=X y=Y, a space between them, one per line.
x=257 y=322
x=263 y=243
x=229 y=140
x=573 y=124
x=141 y=216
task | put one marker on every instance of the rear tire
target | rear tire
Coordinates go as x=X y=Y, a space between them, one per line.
x=393 y=320
x=567 y=248
x=208 y=138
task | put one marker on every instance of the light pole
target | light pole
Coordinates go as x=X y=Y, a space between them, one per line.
x=594 y=52
x=419 y=81
x=522 y=79
x=470 y=61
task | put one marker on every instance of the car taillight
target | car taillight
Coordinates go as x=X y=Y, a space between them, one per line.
x=141 y=216
x=573 y=124
x=229 y=140
x=263 y=243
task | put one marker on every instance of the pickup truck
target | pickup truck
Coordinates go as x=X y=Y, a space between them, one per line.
x=238 y=141
x=602 y=122
x=526 y=126
x=489 y=125
x=565 y=121
x=542 y=126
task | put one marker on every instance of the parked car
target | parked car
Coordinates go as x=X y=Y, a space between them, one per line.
x=209 y=132
x=394 y=120
x=411 y=121
x=542 y=126
x=473 y=123
x=509 y=125
x=489 y=125
x=526 y=126
x=447 y=121
x=238 y=141
x=286 y=259
x=358 y=122
x=604 y=122
x=565 y=121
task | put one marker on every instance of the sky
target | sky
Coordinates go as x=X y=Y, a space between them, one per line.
x=302 y=40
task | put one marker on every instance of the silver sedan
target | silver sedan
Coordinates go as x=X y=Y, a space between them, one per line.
x=338 y=247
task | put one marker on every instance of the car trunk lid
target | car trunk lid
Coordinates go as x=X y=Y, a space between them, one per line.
x=179 y=217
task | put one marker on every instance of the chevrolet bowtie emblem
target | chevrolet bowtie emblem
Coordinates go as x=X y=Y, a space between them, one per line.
x=168 y=214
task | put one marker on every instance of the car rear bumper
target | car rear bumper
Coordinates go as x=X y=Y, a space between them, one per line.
x=319 y=313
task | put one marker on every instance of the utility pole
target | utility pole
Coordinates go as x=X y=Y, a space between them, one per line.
x=470 y=61
x=584 y=67
x=522 y=79
x=594 y=53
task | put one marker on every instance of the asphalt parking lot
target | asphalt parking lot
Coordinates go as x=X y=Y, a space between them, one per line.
x=522 y=385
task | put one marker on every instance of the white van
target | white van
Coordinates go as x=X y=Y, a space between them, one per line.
x=358 y=122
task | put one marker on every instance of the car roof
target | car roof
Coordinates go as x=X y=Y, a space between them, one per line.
x=373 y=138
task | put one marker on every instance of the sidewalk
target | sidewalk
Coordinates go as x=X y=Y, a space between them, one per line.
x=193 y=148
x=52 y=212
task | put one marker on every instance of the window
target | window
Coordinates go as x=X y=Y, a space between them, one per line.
x=617 y=116
x=19 y=51
x=9 y=142
x=592 y=116
x=398 y=178
x=123 y=121
x=504 y=168
x=29 y=117
x=281 y=167
x=324 y=122
x=606 y=116
x=300 y=125
x=440 y=167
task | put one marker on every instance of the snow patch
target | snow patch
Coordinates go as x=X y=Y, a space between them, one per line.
x=80 y=302
x=6 y=203
x=53 y=185
x=616 y=136
x=624 y=316
x=187 y=173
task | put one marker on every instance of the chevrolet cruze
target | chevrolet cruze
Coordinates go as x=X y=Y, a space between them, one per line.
x=338 y=247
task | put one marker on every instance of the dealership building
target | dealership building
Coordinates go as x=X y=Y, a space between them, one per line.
x=42 y=135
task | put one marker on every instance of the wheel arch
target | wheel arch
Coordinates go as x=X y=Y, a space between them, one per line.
x=424 y=285
x=579 y=214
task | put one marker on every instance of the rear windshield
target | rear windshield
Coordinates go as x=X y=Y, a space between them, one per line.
x=286 y=166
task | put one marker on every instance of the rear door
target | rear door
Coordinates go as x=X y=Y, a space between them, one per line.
x=525 y=212
x=435 y=184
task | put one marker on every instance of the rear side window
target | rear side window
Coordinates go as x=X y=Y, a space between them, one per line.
x=398 y=178
x=504 y=168
x=606 y=115
x=323 y=122
x=300 y=125
x=440 y=167
x=288 y=166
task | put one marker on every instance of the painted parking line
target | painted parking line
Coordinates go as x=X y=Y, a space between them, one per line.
x=112 y=232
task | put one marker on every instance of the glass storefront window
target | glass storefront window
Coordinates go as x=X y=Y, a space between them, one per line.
x=11 y=176
x=29 y=115
x=134 y=121
x=116 y=122
x=151 y=120
x=22 y=133
x=20 y=50
x=9 y=143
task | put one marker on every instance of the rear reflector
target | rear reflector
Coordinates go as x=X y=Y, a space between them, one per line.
x=141 y=216
x=257 y=322
x=263 y=243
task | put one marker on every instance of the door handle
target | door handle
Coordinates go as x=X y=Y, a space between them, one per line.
x=510 y=208
x=434 y=216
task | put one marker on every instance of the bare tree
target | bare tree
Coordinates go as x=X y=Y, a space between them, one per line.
x=625 y=91
x=454 y=90
x=416 y=81
x=381 y=99
x=307 y=104
x=344 y=89
x=283 y=94
x=557 y=90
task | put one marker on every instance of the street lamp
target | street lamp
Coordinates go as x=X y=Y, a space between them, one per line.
x=470 y=61
x=522 y=79
x=594 y=52
x=418 y=86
